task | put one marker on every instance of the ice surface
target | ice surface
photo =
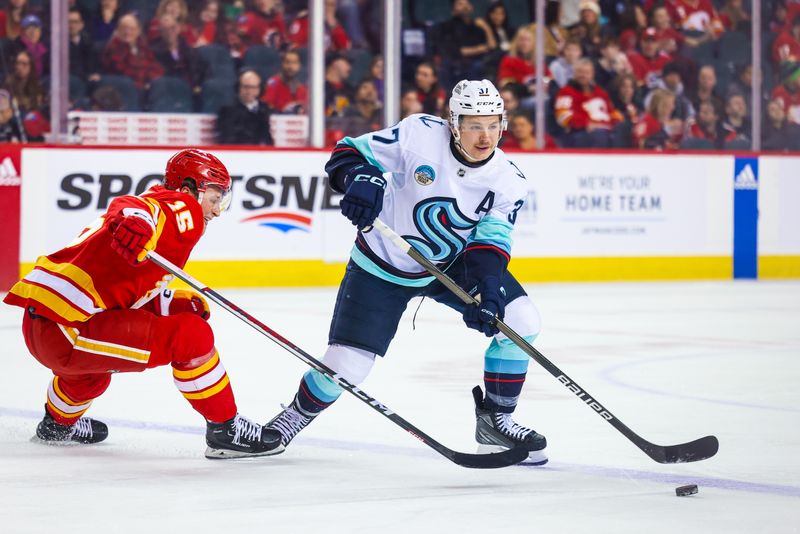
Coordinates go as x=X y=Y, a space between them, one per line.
x=674 y=361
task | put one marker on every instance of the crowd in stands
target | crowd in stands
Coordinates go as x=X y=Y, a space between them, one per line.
x=645 y=74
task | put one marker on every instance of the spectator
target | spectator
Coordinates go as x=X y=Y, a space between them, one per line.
x=555 y=35
x=336 y=37
x=736 y=118
x=672 y=82
x=464 y=44
x=648 y=64
x=104 y=22
x=23 y=84
x=779 y=133
x=30 y=39
x=175 y=55
x=106 y=98
x=669 y=39
x=788 y=93
x=9 y=127
x=655 y=129
x=519 y=66
x=584 y=110
x=263 y=25
x=285 y=93
x=611 y=63
x=375 y=73
x=592 y=31
x=512 y=93
x=709 y=126
x=127 y=54
x=562 y=68
x=742 y=85
x=176 y=8
x=500 y=26
x=338 y=92
x=706 y=87
x=697 y=19
x=632 y=22
x=778 y=18
x=12 y=18
x=82 y=59
x=429 y=93
x=625 y=97
x=521 y=134
x=786 y=47
x=351 y=13
x=409 y=103
x=202 y=26
x=733 y=16
x=365 y=113
x=246 y=121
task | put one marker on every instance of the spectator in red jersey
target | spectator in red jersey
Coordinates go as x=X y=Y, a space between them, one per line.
x=263 y=24
x=584 y=110
x=127 y=54
x=778 y=133
x=709 y=126
x=655 y=129
x=695 y=16
x=336 y=37
x=786 y=47
x=669 y=39
x=429 y=93
x=12 y=18
x=648 y=64
x=625 y=97
x=788 y=93
x=733 y=16
x=176 y=8
x=365 y=114
x=338 y=92
x=202 y=26
x=104 y=21
x=519 y=66
x=30 y=39
x=175 y=55
x=521 y=135
x=409 y=103
x=285 y=93
x=611 y=63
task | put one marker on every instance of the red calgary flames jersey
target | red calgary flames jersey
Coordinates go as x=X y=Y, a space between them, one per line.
x=87 y=277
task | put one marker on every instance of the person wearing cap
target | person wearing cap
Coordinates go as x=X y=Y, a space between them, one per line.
x=649 y=62
x=30 y=39
x=787 y=45
x=788 y=93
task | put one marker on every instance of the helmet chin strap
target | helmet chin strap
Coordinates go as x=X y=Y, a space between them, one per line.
x=469 y=157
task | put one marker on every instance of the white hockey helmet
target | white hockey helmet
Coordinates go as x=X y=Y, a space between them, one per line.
x=472 y=97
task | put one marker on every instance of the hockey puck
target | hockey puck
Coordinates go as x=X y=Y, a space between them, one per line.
x=683 y=491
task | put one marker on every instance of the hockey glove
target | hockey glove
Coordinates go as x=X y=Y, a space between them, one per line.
x=363 y=198
x=130 y=236
x=492 y=306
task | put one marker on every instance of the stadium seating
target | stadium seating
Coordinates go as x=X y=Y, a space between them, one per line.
x=169 y=94
x=217 y=92
x=126 y=88
x=218 y=61
x=263 y=59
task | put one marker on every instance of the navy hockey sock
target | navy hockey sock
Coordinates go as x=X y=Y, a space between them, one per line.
x=316 y=392
x=502 y=391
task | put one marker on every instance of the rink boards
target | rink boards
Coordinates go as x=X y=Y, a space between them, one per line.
x=618 y=216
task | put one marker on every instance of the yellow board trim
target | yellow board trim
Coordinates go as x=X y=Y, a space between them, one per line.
x=208 y=392
x=315 y=273
x=197 y=371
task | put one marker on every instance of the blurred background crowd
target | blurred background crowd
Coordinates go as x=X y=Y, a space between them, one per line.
x=642 y=74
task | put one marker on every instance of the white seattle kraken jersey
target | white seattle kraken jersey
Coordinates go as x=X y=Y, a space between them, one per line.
x=435 y=202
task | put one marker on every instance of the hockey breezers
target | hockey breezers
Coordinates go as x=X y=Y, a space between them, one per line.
x=693 y=451
x=480 y=461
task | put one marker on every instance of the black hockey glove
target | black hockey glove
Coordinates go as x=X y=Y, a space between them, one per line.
x=363 y=199
x=492 y=305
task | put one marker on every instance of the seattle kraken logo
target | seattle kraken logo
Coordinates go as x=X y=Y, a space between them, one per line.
x=437 y=219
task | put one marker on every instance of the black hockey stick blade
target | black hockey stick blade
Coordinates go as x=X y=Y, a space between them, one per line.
x=694 y=451
x=478 y=461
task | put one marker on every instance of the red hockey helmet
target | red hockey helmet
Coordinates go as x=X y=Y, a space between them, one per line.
x=198 y=165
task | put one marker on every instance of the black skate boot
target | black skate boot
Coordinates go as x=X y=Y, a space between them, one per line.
x=499 y=431
x=240 y=438
x=289 y=422
x=85 y=430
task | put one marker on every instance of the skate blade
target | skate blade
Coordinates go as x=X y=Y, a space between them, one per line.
x=227 y=454
x=63 y=443
x=534 y=457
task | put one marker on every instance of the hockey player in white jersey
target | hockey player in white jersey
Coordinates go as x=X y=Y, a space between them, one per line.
x=447 y=189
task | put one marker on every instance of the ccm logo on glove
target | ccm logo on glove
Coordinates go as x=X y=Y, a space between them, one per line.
x=363 y=198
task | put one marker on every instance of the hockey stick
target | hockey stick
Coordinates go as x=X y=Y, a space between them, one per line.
x=693 y=451
x=480 y=461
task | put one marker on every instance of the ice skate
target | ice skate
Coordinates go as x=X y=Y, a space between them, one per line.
x=289 y=422
x=494 y=431
x=240 y=438
x=85 y=430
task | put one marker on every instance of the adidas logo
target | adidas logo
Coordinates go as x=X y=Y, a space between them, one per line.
x=8 y=173
x=746 y=179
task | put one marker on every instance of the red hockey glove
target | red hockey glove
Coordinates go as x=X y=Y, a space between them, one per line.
x=185 y=301
x=130 y=236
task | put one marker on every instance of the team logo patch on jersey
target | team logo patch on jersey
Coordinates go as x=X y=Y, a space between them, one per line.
x=424 y=175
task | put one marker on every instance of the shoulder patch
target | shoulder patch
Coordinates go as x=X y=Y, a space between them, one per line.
x=424 y=175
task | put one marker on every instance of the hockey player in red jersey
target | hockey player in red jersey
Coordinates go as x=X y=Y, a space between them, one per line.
x=98 y=307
